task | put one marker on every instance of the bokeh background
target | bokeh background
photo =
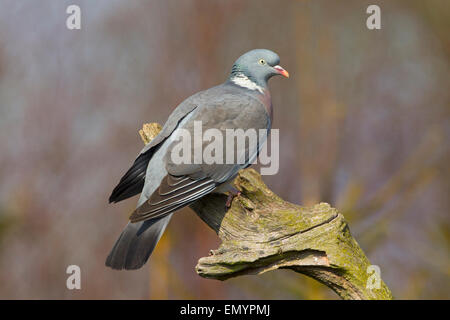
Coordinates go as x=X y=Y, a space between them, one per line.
x=364 y=125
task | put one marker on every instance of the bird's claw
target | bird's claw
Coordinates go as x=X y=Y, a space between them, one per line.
x=230 y=198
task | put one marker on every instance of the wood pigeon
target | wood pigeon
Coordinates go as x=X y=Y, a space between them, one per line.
x=242 y=102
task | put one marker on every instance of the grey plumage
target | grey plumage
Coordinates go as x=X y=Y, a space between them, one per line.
x=242 y=102
x=136 y=243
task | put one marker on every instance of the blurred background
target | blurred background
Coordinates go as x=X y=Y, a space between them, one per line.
x=364 y=125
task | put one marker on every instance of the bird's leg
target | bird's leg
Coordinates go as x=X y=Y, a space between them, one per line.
x=232 y=192
x=231 y=195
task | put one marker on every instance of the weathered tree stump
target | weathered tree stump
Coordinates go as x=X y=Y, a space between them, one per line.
x=262 y=232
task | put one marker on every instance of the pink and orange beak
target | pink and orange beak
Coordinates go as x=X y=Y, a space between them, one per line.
x=281 y=71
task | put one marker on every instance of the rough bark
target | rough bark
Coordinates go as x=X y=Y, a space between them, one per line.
x=262 y=232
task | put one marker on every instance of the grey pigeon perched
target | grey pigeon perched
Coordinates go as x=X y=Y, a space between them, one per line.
x=242 y=102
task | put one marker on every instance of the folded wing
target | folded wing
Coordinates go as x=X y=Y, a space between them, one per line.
x=133 y=181
x=187 y=182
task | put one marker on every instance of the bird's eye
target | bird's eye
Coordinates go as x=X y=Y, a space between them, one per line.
x=262 y=61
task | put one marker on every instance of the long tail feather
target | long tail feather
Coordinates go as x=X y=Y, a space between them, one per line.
x=136 y=243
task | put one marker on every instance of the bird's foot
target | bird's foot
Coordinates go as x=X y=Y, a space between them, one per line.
x=232 y=194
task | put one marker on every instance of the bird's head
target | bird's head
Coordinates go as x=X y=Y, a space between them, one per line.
x=257 y=66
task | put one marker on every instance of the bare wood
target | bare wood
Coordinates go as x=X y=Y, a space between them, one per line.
x=262 y=232
x=149 y=131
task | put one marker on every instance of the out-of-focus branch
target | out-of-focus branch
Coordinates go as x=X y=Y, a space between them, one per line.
x=262 y=232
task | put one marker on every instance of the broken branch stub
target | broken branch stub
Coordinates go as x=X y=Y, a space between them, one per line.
x=262 y=232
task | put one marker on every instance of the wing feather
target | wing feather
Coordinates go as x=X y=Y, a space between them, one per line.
x=133 y=181
x=171 y=196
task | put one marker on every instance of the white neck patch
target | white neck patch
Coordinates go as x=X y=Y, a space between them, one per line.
x=243 y=81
